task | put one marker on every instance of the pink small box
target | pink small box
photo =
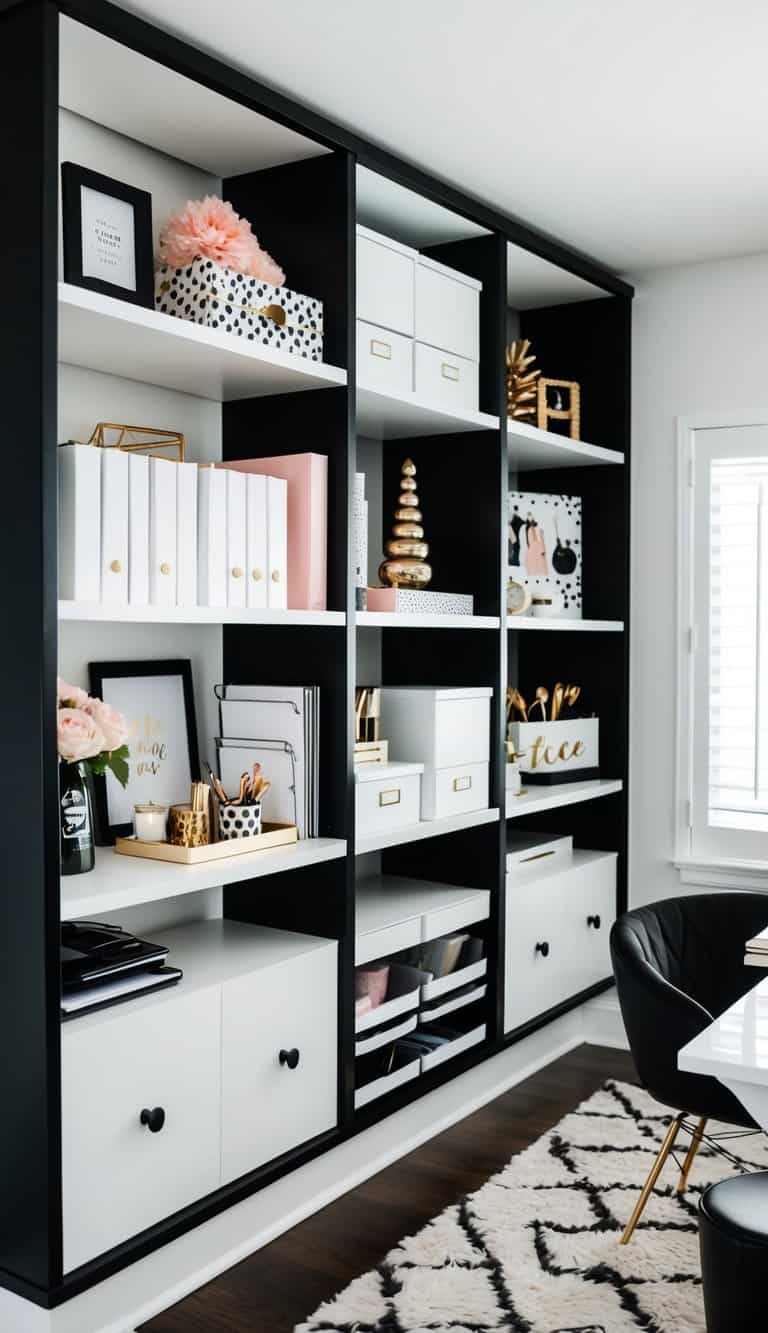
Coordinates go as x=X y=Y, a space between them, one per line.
x=307 y=478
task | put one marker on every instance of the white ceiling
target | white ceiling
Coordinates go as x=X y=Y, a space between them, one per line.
x=636 y=132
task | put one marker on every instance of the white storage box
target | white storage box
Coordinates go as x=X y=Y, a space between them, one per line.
x=557 y=928
x=447 y=309
x=404 y=988
x=387 y=796
x=563 y=751
x=207 y=293
x=384 y=359
x=385 y=281
x=449 y=729
x=531 y=854
x=405 y=1066
x=445 y=378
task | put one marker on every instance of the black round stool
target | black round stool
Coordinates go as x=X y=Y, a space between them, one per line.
x=733 y=1238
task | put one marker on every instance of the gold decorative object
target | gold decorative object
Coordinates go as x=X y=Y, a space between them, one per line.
x=406 y=549
x=272 y=835
x=521 y=381
x=188 y=827
x=571 y=413
x=151 y=440
x=367 y=714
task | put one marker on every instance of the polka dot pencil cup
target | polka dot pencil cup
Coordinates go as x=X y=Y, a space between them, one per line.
x=239 y=821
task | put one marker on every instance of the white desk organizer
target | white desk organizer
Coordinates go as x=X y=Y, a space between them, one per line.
x=449 y=730
x=564 y=751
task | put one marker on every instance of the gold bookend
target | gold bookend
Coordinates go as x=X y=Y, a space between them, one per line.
x=150 y=440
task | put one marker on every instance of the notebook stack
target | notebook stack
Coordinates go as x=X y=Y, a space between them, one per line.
x=279 y=727
x=103 y=965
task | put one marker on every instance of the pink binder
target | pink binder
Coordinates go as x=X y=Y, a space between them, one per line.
x=307 y=478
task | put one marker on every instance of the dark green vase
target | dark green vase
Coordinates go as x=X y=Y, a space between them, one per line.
x=75 y=819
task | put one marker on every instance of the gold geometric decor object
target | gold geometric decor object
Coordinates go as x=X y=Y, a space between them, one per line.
x=150 y=440
x=556 y=411
x=521 y=381
x=406 y=549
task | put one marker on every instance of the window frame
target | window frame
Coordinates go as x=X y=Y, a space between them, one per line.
x=698 y=868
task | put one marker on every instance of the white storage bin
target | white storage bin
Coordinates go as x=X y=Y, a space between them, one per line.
x=469 y=1032
x=557 y=927
x=373 y=1041
x=270 y=1019
x=404 y=988
x=118 y=1177
x=387 y=798
x=447 y=309
x=461 y=976
x=453 y=1001
x=553 y=752
x=445 y=378
x=384 y=359
x=385 y=281
x=405 y=1067
x=449 y=729
x=530 y=854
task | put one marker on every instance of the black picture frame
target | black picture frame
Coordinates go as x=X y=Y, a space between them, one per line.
x=100 y=674
x=73 y=178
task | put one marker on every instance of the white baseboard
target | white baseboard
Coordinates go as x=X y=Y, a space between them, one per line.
x=130 y=1298
x=602 y=1022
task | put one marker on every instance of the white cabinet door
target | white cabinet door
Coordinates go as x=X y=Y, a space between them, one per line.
x=591 y=910
x=120 y=1176
x=538 y=968
x=278 y=1059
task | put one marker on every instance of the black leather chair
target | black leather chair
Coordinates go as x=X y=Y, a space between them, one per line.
x=733 y=1239
x=678 y=964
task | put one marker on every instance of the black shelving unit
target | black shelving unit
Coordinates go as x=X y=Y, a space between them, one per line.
x=463 y=479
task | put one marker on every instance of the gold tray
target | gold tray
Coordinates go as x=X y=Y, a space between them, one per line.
x=274 y=835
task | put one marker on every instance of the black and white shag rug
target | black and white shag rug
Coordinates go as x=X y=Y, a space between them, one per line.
x=536 y=1249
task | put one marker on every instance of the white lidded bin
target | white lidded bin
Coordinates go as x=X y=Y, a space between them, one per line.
x=529 y=854
x=447 y=309
x=387 y=796
x=448 y=729
x=385 y=281
x=384 y=359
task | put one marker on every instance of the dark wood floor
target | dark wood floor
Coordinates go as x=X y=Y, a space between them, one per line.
x=282 y=1284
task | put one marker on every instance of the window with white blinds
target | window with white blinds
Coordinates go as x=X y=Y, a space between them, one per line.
x=728 y=679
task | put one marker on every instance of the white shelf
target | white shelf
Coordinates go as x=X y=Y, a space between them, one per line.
x=566 y=793
x=541 y=623
x=125 y=881
x=532 y=450
x=431 y=828
x=118 y=338
x=109 y=612
x=415 y=620
x=394 y=911
x=387 y=416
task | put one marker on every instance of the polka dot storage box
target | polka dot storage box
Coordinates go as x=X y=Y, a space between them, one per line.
x=222 y=299
x=239 y=821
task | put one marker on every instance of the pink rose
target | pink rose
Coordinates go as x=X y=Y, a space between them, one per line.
x=112 y=725
x=79 y=735
x=70 y=696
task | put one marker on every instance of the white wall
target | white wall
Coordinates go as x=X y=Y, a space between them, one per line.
x=700 y=344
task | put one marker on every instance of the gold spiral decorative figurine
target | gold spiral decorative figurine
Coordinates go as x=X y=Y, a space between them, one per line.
x=406 y=565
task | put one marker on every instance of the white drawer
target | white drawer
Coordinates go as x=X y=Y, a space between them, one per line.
x=443 y=727
x=475 y=907
x=552 y=950
x=118 y=1176
x=384 y=359
x=447 y=309
x=389 y=801
x=385 y=282
x=388 y=940
x=445 y=379
x=268 y=1019
x=453 y=791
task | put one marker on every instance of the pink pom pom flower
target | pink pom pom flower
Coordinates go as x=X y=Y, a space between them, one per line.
x=211 y=228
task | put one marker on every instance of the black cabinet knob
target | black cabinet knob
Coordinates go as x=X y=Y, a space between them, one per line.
x=154 y=1119
x=290 y=1058
x=543 y=949
x=594 y=921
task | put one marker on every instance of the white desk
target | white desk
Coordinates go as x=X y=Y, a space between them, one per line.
x=734 y=1050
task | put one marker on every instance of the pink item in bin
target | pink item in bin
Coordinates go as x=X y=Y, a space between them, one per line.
x=307 y=478
x=362 y=1005
x=372 y=980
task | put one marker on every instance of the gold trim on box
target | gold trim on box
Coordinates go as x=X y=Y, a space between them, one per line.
x=273 y=835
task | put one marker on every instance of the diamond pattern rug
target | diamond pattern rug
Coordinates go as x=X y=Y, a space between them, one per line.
x=536 y=1249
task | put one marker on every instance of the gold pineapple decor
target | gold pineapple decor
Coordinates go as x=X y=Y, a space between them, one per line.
x=406 y=549
x=522 y=392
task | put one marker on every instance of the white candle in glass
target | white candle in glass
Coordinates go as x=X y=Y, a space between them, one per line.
x=150 y=822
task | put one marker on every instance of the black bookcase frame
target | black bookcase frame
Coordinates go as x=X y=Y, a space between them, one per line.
x=320 y=899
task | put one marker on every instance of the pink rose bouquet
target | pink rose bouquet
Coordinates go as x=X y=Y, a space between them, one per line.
x=90 y=731
x=212 y=229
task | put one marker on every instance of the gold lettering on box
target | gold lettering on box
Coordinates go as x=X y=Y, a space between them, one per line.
x=541 y=753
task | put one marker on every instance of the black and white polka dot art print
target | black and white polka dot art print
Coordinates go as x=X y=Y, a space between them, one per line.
x=544 y=547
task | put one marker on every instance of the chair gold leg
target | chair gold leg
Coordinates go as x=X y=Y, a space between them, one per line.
x=653 y=1176
x=695 y=1144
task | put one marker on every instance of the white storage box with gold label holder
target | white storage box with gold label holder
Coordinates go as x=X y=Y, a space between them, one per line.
x=551 y=752
x=387 y=796
x=448 y=728
x=384 y=359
